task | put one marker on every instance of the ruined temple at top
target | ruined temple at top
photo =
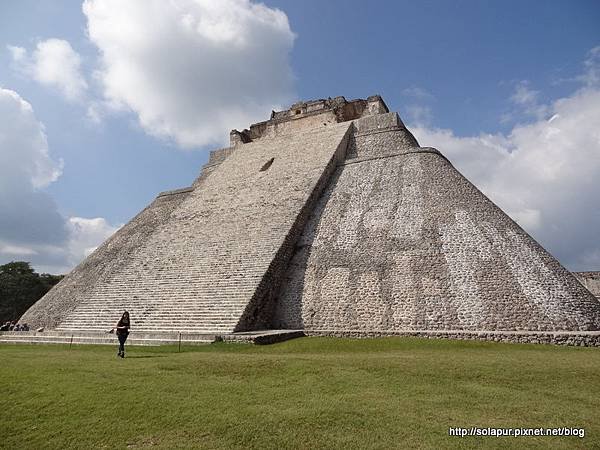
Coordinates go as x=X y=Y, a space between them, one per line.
x=328 y=217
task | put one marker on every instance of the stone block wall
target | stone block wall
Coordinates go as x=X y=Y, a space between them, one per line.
x=302 y=124
x=576 y=339
x=381 y=135
x=258 y=314
x=401 y=241
x=591 y=280
x=216 y=157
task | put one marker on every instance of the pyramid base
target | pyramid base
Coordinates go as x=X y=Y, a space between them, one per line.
x=145 y=338
x=573 y=338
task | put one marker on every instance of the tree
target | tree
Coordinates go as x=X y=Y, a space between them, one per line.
x=21 y=287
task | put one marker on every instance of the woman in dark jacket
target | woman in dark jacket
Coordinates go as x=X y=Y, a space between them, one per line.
x=122 y=333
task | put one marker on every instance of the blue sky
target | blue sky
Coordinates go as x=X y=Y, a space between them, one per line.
x=466 y=54
x=488 y=83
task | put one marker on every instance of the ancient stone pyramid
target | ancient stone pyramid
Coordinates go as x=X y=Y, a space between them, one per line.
x=328 y=217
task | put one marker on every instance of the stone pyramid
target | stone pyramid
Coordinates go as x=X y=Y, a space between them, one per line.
x=327 y=218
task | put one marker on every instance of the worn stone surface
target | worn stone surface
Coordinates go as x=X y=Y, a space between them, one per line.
x=107 y=260
x=400 y=240
x=221 y=251
x=328 y=218
x=591 y=280
x=573 y=338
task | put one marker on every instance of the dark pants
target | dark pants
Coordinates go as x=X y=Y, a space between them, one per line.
x=122 y=339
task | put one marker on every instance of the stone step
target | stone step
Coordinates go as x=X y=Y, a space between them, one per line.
x=164 y=329
x=137 y=323
x=146 y=338
x=171 y=314
x=92 y=333
x=152 y=308
x=136 y=342
x=196 y=306
x=154 y=325
x=157 y=318
x=169 y=302
x=160 y=314
x=142 y=326
x=164 y=319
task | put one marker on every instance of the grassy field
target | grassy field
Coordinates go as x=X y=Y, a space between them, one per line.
x=305 y=393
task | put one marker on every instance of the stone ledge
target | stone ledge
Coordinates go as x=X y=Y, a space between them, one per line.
x=104 y=338
x=262 y=337
x=417 y=151
x=145 y=338
x=573 y=338
x=176 y=191
x=379 y=130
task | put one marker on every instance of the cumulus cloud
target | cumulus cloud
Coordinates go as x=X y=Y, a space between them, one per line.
x=525 y=104
x=31 y=227
x=524 y=95
x=28 y=215
x=591 y=75
x=53 y=63
x=543 y=173
x=86 y=235
x=417 y=93
x=192 y=69
x=418 y=105
x=24 y=157
x=419 y=114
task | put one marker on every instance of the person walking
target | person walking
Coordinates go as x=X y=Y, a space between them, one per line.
x=122 y=332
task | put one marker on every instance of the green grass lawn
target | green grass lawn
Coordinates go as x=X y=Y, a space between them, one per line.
x=305 y=393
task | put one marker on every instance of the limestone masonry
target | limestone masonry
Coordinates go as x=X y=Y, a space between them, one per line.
x=591 y=280
x=327 y=218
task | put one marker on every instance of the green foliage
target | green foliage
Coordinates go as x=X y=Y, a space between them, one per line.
x=308 y=393
x=21 y=287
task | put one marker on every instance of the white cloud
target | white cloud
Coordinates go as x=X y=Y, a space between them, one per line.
x=419 y=114
x=545 y=174
x=18 y=53
x=591 y=75
x=417 y=109
x=526 y=101
x=24 y=157
x=192 y=69
x=418 y=93
x=85 y=236
x=31 y=227
x=8 y=249
x=53 y=63
x=82 y=237
x=523 y=95
x=29 y=216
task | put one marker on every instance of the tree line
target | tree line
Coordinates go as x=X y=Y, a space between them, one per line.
x=20 y=287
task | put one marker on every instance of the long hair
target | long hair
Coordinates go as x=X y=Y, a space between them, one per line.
x=124 y=320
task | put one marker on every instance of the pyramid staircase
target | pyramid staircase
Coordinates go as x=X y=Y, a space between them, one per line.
x=161 y=315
